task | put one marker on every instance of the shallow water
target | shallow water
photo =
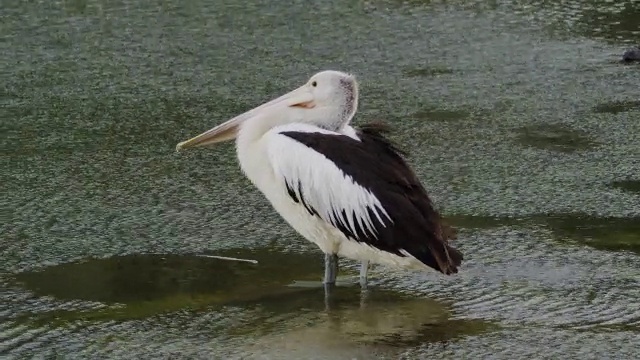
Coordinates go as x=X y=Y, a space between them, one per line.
x=519 y=118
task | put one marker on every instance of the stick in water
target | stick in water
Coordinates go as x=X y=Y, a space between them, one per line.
x=229 y=258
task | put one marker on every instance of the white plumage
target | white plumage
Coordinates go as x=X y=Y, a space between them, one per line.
x=329 y=189
x=280 y=159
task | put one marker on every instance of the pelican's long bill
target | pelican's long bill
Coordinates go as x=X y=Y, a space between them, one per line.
x=228 y=130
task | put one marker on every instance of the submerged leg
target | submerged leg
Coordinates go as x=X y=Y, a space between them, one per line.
x=364 y=269
x=330 y=268
x=328 y=289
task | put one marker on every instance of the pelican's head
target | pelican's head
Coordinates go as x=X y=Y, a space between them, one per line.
x=328 y=100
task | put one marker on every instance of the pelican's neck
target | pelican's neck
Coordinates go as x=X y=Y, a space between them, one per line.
x=248 y=149
x=249 y=145
x=254 y=128
x=251 y=131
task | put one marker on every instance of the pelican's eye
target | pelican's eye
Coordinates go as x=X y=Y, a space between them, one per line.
x=314 y=84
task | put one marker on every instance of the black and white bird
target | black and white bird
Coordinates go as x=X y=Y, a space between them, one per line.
x=348 y=191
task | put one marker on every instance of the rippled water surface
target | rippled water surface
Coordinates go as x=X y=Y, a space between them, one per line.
x=519 y=117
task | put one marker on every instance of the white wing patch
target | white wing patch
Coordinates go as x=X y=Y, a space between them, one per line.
x=320 y=184
x=350 y=132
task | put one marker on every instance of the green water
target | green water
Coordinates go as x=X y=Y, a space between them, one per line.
x=519 y=118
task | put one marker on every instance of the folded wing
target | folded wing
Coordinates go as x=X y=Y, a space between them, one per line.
x=363 y=187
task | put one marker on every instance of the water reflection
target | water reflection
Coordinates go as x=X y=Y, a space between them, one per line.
x=139 y=287
x=155 y=283
x=556 y=137
x=378 y=319
x=615 y=107
x=613 y=21
x=431 y=71
x=605 y=233
x=627 y=185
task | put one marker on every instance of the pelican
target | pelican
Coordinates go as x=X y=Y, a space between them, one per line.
x=348 y=191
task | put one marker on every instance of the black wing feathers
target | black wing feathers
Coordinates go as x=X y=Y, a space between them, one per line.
x=377 y=165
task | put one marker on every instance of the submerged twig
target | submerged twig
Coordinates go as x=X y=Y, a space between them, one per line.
x=228 y=258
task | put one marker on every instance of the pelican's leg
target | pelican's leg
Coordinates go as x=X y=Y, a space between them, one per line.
x=330 y=268
x=328 y=289
x=364 y=269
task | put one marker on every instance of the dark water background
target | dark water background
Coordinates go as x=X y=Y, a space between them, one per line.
x=521 y=122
